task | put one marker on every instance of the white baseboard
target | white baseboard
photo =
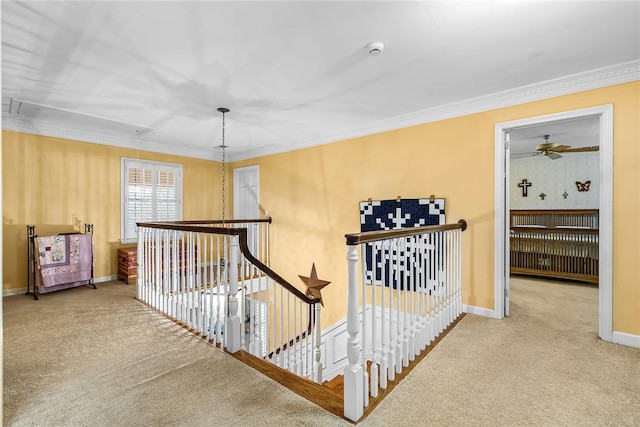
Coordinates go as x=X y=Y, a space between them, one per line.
x=623 y=338
x=480 y=311
x=16 y=291
x=105 y=278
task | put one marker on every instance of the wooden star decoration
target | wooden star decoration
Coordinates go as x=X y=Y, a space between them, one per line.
x=314 y=285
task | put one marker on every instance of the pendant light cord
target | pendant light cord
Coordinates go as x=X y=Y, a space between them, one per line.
x=224 y=163
x=224 y=147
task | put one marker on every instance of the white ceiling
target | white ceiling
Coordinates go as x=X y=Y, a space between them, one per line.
x=293 y=73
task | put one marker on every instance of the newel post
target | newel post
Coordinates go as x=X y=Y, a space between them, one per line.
x=234 y=326
x=353 y=373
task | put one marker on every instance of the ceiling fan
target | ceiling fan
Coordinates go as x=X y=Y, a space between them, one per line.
x=552 y=150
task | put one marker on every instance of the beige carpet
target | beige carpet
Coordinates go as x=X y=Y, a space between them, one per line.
x=85 y=357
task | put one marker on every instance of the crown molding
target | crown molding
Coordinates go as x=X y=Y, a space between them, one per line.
x=594 y=79
x=44 y=129
x=602 y=77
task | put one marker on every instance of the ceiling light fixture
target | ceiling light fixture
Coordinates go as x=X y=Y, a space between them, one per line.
x=375 y=48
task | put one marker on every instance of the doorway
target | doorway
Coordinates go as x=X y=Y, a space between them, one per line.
x=502 y=204
x=246 y=201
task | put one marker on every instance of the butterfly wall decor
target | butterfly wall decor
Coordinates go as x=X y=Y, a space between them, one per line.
x=583 y=187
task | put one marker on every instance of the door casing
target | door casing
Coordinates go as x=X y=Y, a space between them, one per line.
x=501 y=243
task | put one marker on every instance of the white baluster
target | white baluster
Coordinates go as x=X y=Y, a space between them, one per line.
x=317 y=351
x=281 y=341
x=220 y=315
x=140 y=258
x=234 y=325
x=189 y=263
x=292 y=353
x=398 y=282
x=262 y=317
x=391 y=370
x=252 y=318
x=441 y=283
x=173 y=275
x=243 y=304
x=353 y=373
x=405 y=309
x=376 y=248
x=143 y=265
x=199 y=248
x=147 y=264
x=212 y=257
x=436 y=284
x=375 y=351
x=452 y=285
x=424 y=309
x=158 y=269
x=203 y=251
x=302 y=330
x=367 y=342
x=275 y=309
x=411 y=289
x=429 y=281
x=164 y=280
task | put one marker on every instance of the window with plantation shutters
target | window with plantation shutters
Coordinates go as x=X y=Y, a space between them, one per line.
x=151 y=191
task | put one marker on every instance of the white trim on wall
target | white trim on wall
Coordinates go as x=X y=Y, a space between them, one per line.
x=480 y=311
x=605 y=311
x=622 y=338
x=16 y=291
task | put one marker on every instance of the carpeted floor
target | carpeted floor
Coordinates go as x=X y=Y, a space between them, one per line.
x=85 y=357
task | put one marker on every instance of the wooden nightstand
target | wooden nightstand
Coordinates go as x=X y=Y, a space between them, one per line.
x=128 y=264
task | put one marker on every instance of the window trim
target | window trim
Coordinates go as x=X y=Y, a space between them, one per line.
x=125 y=164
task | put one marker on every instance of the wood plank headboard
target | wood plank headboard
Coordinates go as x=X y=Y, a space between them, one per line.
x=555 y=218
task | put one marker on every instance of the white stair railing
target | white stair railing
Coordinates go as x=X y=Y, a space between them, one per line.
x=214 y=279
x=410 y=291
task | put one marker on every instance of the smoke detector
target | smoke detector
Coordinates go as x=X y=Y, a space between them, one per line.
x=375 y=48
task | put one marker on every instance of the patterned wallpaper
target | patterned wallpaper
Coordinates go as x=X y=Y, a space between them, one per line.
x=553 y=177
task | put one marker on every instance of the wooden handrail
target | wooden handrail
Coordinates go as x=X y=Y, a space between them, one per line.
x=244 y=248
x=219 y=221
x=374 y=236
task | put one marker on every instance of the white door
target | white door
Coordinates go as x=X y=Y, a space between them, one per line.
x=246 y=201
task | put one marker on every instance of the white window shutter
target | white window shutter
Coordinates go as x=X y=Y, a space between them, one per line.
x=152 y=192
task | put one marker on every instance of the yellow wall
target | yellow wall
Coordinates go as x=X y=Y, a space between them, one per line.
x=313 y=194
x=58 y=184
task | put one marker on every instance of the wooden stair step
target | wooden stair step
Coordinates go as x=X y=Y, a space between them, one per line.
x=336 y=384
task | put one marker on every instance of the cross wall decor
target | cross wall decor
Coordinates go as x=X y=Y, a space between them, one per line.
x=525 y=186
